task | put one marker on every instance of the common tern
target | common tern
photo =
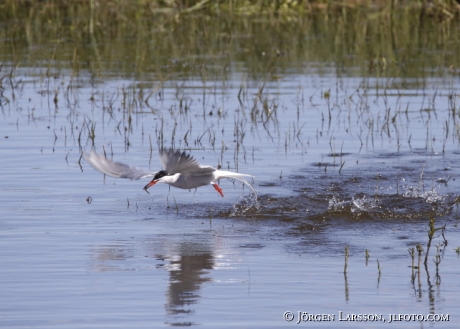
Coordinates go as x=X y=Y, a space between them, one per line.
x=179 y=170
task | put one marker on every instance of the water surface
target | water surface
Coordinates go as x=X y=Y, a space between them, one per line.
x=340 y=158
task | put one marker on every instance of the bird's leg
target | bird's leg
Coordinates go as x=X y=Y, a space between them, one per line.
x=218 y=189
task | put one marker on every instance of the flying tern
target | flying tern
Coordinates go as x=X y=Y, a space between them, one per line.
x=180 y=170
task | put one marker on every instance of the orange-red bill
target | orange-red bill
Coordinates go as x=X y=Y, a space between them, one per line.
x=149 y=185
x=218 y=189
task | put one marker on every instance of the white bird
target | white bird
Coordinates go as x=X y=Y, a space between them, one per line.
x=179 y=170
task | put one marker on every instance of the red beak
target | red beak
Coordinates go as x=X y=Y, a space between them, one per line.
x=153 y=182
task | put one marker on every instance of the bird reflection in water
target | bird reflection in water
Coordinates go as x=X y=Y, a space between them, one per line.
x=187 y=264
x=186 y=275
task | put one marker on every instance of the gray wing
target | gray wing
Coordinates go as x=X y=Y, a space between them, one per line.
x=174 y=162
x=115 y=169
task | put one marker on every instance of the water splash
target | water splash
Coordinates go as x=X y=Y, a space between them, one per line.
x=244 y=205
x=336 y=204
x=411 y=192
x=356 y=204
x=432 y=196
x=363 y=204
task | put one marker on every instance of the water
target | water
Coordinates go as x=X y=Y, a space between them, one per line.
x=339 y=160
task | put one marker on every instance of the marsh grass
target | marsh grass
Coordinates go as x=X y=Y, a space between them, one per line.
x=148 y=37
x=144 y=45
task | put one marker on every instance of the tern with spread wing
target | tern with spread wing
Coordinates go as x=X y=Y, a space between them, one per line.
x=179 y=170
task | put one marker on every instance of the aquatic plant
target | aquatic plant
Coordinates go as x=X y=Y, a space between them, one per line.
x=432 y=230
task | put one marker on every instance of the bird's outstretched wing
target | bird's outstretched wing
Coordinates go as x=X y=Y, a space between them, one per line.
x=175 y=161
x=115 y=169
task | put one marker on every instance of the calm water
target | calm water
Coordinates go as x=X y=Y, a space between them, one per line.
x=339 y=159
